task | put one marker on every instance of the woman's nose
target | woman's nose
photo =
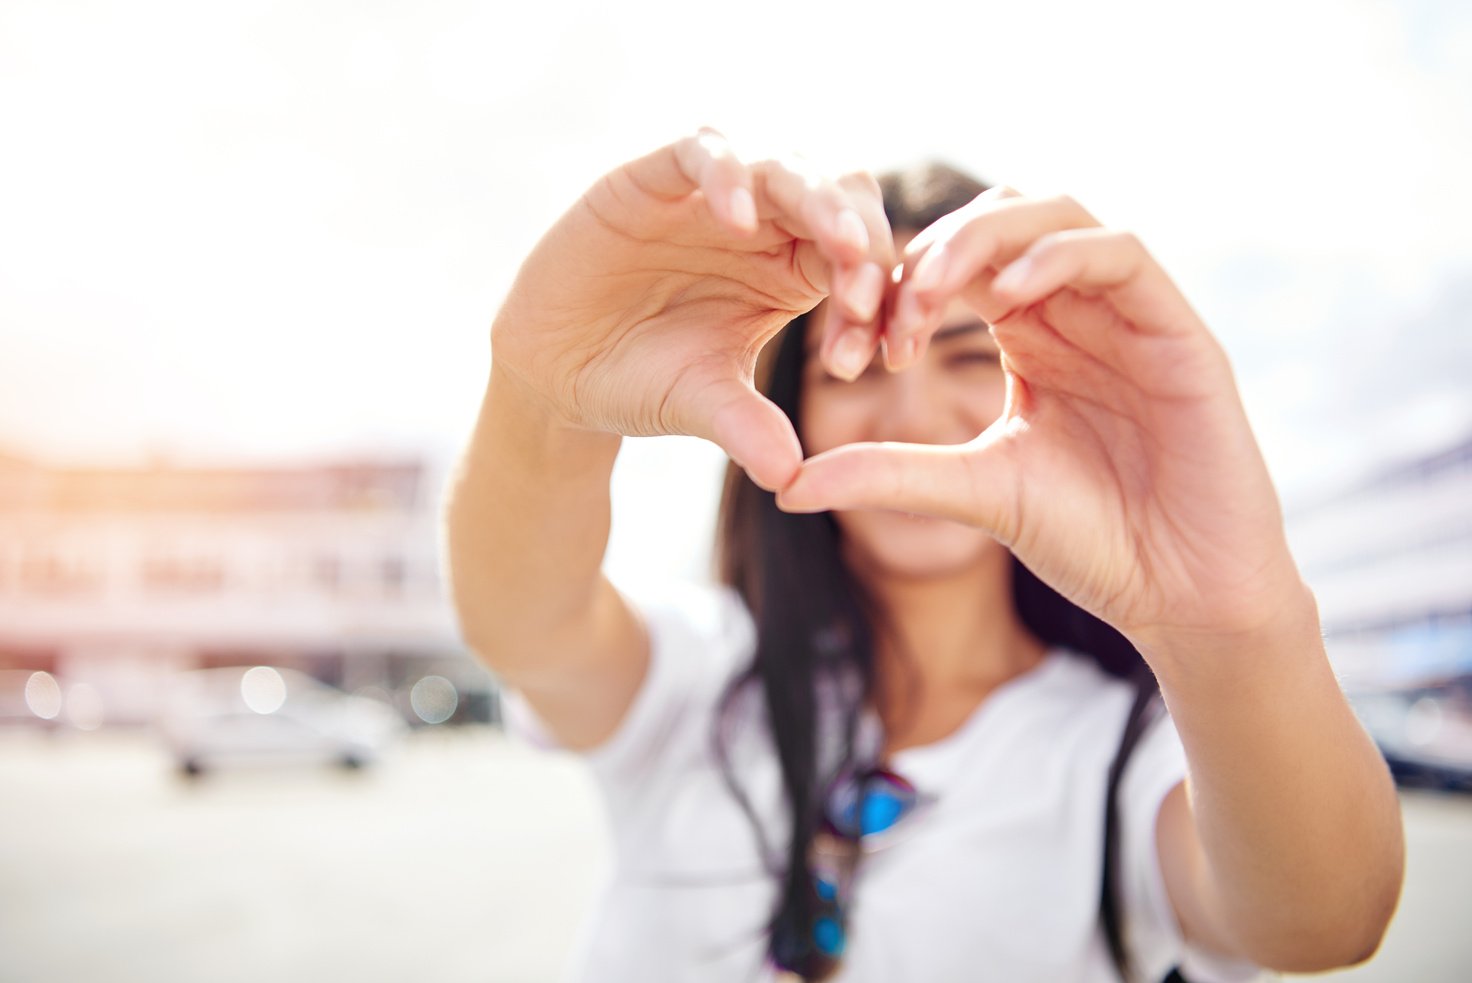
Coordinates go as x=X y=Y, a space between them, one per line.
x=916 y=409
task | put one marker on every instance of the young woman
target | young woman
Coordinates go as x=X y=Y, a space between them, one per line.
x=891 y=752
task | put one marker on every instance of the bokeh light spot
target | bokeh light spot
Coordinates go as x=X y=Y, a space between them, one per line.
x=1424 y=721
x=434 y=699
x=263 y=689
x=43 y=695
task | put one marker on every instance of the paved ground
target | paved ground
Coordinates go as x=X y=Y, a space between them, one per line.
x=462 y=858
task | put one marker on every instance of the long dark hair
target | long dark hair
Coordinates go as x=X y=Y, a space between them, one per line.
x=816 y=626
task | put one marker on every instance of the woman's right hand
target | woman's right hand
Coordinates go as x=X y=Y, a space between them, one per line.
x=643 y=309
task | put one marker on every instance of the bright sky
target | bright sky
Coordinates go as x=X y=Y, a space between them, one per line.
x=280 y=229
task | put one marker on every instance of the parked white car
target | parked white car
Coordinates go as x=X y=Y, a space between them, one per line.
x=261 y=715
x=1424 y=730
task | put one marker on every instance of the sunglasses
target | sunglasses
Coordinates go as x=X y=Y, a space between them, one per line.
x=861 y=812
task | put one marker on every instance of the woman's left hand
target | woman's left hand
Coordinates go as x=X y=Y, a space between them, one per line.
x=1123 y=471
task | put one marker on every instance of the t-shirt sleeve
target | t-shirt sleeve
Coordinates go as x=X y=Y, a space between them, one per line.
x=1153 y=934
x=698 y=638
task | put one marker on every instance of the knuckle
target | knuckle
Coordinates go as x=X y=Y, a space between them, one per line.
x=861 y=181
x=1066 y=203
x=1049 y=244
x=717 y=148
x=1073 y=208
x=793 y=163
x=777 y=171
x=708 y=134
x=1129 y=240
x=730 y=167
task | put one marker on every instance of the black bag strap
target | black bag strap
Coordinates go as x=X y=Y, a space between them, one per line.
x=1143 y=711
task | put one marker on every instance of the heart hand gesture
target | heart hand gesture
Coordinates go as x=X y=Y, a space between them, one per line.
x=1123 y=471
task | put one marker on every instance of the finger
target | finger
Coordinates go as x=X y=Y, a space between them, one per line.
x=848 y=337
x=1093 y=262
x=858 y=292
x=850 y=331
x=947 y=224
x=868 y=200
x=921 y=320
x=924 y=314
x=851 y=352
x=809 y=206
x=971 y=483
x=752 y=430
x=705 y=162
x=966 y=247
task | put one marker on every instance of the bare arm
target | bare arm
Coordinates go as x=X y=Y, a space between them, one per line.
x=640 y=312
x=1286 y=844
x=1124 y=474
x=526 y=527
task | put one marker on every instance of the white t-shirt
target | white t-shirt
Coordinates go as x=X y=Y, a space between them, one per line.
x=998 y=880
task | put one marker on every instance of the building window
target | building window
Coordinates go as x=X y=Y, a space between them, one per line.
x=183 y=574
x=50 y=572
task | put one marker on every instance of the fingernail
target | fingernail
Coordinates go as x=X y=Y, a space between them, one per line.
x=849 y=228
x=866 y=292
x=1014 y=276
x=931 y=269
x=789 y=500
x=787 y=505
x=906 y=314
x=743 y=208
x=894 y=353
x=851 y=353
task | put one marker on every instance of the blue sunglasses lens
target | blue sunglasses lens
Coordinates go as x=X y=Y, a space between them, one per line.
x=828 y=936
x=881 y=811
x=884 y=801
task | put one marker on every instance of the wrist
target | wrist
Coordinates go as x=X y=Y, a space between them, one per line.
x=1290 y=631
x=529 y=422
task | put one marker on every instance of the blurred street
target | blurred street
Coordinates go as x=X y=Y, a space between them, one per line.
x=461 y=857
x=458 y=858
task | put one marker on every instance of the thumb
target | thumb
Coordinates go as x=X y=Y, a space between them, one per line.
x=752 y=430
x=970 y=483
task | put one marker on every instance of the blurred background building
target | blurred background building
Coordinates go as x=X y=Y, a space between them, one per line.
x=1390 y=559
x=111 y=580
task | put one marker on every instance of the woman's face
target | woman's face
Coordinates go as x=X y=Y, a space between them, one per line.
x=949 y=396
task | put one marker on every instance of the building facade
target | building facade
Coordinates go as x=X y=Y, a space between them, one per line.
x=1390 y=560
x=111 y=579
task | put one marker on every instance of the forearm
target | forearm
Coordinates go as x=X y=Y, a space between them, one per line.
x=527 y=521
x=1295 y=809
